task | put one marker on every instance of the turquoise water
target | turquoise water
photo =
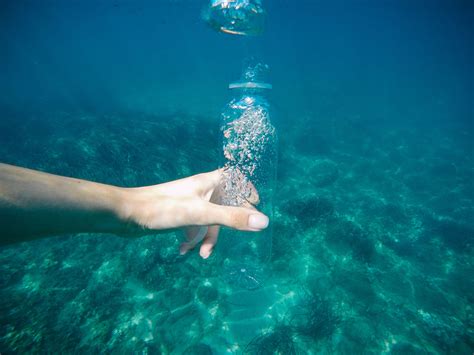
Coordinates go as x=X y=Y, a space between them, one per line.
x=373 y=226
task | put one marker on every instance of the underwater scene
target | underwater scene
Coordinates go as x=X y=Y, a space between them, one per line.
x=348 y=123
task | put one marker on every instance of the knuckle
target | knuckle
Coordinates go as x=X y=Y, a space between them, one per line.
x=239 y=219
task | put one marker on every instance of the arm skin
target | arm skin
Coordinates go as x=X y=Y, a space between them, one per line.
x=34 y=204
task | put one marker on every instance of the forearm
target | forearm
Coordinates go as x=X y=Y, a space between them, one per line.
x=35 y=204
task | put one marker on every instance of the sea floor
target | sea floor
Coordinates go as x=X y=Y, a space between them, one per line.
x=372 y=246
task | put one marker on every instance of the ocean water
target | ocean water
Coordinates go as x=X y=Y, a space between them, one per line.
x=373 y=228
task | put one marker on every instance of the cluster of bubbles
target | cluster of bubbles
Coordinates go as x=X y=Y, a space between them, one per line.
x=246 y=139
x=256 y=72
x=237 y=17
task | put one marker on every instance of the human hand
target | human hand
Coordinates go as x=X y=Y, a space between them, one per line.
x=193 y=203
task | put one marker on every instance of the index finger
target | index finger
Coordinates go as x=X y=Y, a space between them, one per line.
x=208 y=182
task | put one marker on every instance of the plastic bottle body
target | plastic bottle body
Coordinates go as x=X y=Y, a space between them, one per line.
x=249 y=158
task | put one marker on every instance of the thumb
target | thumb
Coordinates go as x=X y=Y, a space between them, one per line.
x=235 y=217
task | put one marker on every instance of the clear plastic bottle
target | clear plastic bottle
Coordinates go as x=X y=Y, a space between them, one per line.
x=249 y=159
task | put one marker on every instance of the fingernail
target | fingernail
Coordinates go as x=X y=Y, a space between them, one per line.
x=183 y=249
x=205 y=254
x=258 y=221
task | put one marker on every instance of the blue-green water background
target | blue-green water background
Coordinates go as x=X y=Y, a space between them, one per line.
x=373 y=226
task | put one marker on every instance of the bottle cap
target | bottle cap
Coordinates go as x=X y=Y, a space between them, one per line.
x=250 y=85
